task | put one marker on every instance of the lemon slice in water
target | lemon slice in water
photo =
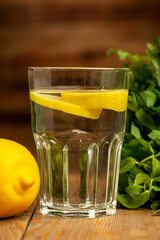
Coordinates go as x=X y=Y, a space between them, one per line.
x=108 y=99
x=55 y=102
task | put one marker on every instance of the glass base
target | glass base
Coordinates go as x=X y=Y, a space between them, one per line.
x=71 y=211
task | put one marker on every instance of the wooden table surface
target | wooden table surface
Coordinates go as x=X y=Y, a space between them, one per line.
x=126 y=224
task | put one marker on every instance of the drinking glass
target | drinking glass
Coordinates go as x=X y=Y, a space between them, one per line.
x=78 y=120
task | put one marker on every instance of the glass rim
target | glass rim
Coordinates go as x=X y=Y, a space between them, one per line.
x=78 y=68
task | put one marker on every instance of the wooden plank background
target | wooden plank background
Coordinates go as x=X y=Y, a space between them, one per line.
x=63 y=33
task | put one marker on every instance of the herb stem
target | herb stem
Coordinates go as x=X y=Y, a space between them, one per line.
x=145 y=159
x=150 y=157
x=157 y=155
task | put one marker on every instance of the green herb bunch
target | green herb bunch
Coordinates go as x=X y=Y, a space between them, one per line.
x=139 y=181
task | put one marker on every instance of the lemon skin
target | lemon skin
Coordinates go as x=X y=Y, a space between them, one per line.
x=19 y=178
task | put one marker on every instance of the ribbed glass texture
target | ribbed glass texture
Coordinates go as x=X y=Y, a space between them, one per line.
x=78 y=157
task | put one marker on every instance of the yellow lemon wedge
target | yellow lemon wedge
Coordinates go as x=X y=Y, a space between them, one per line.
x=19 y=178
x=108 y=99
x=55 y=102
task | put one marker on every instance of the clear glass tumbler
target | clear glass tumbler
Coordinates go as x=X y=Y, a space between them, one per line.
x=78 y=122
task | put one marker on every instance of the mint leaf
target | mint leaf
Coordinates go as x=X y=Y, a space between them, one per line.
x=145 y=119
x=157 y=179
x=146 y=145
x=135 y=131
x=154 y=205
x=141 y=178
x=152 y=50
x=140 y=100
x=149 y=97
x=142 y=138
x=157 y=42
x=156 y=167
x=132 y=102
x=142 y=77
x=124 y=55
x=134 y=171
x=155 y=135
x=155 y=110
x=133 y=200
x=123 y=182
x=157 y=67
x=127 y=164
x=135 y=149
x=134 y=189
x=157 y=189
x=156 y=184
x=148 y=165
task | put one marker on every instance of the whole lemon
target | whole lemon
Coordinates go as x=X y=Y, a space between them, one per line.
x=19 y=178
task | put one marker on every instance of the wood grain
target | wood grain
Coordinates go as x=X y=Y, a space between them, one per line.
x=74 y=10
x=67 y=44
x=126 y=224
x=14 y=227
